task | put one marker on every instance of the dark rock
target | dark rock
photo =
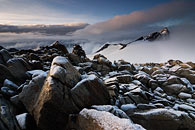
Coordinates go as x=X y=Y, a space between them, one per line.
x=90 y=91
x=15 y=100
x=5 y=74
x=1 y=48
x=33 y=56
x=10 y=84
x=164 y=119
x=59 y=46
x=8 y=92
x=145 y=106
x=4 y=56
x=126 y=79
x=77 y=50
x=30 y=92
x=7 y=117
x=12 y=50
x=74 y=59
x=175 y=89
x=18 y=67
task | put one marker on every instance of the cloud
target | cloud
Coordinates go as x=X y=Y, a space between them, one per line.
x=63 y=29
x=124 y=26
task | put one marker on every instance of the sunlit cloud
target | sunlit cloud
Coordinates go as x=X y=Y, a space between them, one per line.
x=177 y=12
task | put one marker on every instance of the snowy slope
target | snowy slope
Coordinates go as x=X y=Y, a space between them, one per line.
x=143 y=51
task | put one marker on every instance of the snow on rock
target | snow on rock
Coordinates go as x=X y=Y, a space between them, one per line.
x=64 y=71
x=85 y=78
x=100 y=120
x=22 y=120
x=59 y=60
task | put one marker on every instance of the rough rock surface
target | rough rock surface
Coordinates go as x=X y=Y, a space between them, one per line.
x=161 y=119
x=44 y=83
x=62 y=94
x=89 y=119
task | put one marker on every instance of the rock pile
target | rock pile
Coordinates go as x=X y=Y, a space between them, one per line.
x=50 y=88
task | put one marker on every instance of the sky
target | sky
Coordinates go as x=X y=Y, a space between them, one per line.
x=31 y=23
x=19 y=12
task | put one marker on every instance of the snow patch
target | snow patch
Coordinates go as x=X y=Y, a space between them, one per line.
x=59 y=60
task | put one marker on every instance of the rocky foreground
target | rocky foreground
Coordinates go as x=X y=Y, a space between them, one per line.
x=52 y=89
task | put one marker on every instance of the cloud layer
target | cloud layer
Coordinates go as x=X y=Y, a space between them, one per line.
x=43 y=29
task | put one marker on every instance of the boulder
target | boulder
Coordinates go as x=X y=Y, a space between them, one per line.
x=90 y=91
x=18 y=67
x=77 y=50
x=164 y=119
x=112 y=109
x=101 y=120
x=5 y=74
x=62 y=94
x=102 y=60
x=74 y=58
x=175 y=89
x=30 y=92
x=187 y=73
x=59 y=46
x=4 y=56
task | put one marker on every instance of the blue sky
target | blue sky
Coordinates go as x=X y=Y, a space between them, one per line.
x=102 y=8
x=62 y=11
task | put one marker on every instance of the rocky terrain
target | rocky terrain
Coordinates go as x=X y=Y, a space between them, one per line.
x=52 y=89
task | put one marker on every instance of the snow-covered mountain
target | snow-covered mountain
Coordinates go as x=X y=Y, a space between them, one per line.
x=155 y=47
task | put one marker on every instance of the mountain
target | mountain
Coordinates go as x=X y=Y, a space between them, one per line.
x=163 y=34
x=155 y=47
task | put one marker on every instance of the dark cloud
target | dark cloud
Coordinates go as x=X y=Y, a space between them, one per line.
x=64 y=29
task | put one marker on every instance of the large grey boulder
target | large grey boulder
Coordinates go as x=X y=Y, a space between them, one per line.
x=30 y=92
x=4 y=56
x=18 y=67
x=63 y=93
x=89 y=119
x=164 y=119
